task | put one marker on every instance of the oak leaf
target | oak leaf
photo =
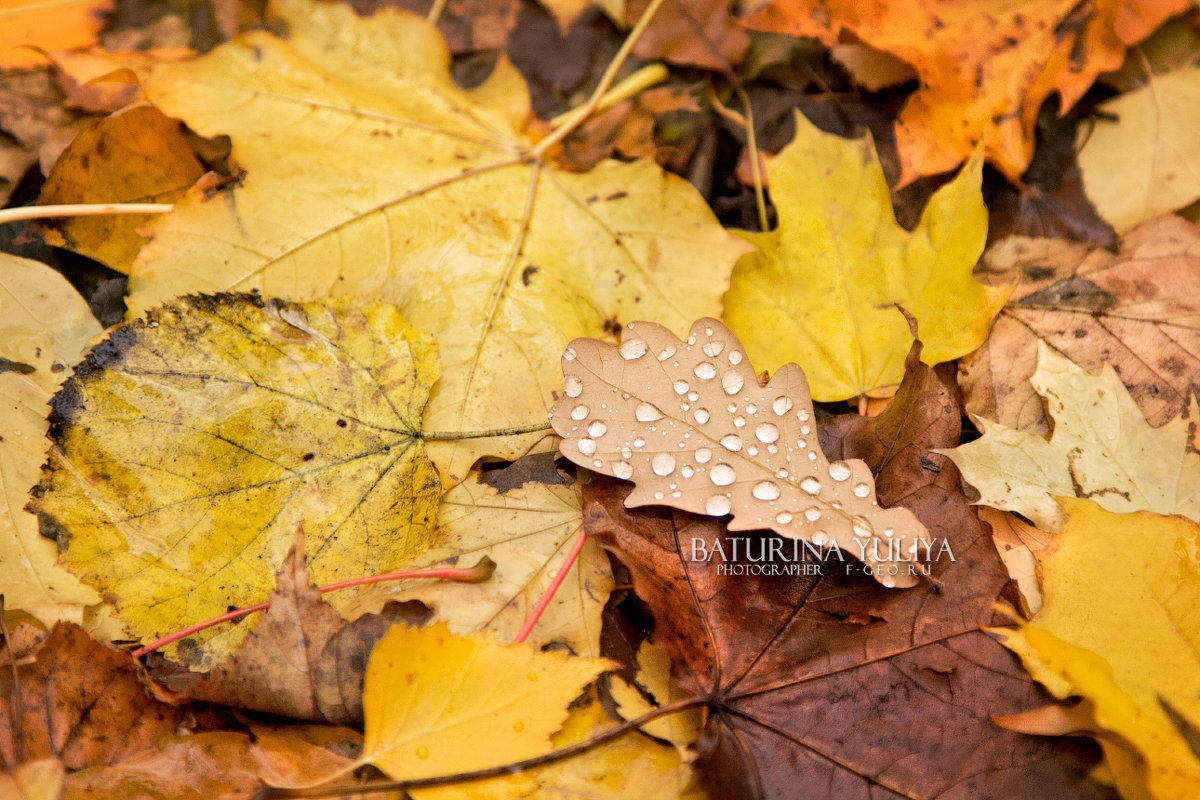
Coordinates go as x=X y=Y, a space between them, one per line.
x=45 y=327
x=402 y=187
x=191 y=444
x=1118 y=587
x=984 y=70
x=435 y=703
x=689 y=424
x=1138 y=158
x=1101 y=448
x=526 y=525
x=1138 y=310
x=823 y=287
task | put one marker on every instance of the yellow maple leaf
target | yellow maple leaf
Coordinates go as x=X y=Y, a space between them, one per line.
x=370 y=172
x=1119 y=587
x=45 y=326
x=191 y=445
x=435 y=703
x=1138 y=157
x=823 y=287
x=1101 y=447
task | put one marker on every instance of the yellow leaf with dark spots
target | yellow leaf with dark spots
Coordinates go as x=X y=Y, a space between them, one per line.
x=191 y=444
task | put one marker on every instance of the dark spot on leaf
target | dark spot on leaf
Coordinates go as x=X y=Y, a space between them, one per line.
x=537 y=468
x=7 y=365
x=528 y=273
x=341 y=423
x=612 y=326
x=1038 y=273
x=309 y=456
x=617 y=195
x=57 y=367
x=1073 y=293
x=1080 y=333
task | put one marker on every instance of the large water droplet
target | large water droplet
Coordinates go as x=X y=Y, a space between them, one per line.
x=751 y=409
x=767 y=433
x=722 y=474
x=647 y=412
x=783 y=517
x=781 y=405
x=687 y=471
x=805 y=430
x=626 y=452
x=693 y=396
x=587 y=447
x=861 y=490
x=839 y=471
x=681 y=387
x=802 y=415
x=703 y=455
x=569 y=354
x=639 y=442
x=692 y=339
x=713 y=348
x=765 y=490
x=597 y=429
x=633 y=348
x=705 y=371
x=812 y=514
x=580 y=412
x=573 y=386
x=811 y=485
x=667 y=352
x=812 y=456
x=734 y=357
x=739 y=422
x=597 y=463
x=732 y=382
x=718 y=505
x=752 y=450
x=702 y=416
x=732 y=442
x=859 y=530
x=663 y=464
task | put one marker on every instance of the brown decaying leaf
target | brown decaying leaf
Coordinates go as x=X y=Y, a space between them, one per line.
x=1138 y=310
x=301 y=660
x=698 y=33
x=833 y=683
x=689 y=423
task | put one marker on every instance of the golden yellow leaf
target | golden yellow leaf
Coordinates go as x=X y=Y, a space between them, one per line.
x=146 y=159
x=823 y=287
x=681 y=729
x=527 y=531
x=370 y=173
x=1117 y=589
x=191 y=445
x=631 y=766
x=45 y=326
x=1101 y=447
x=688 y=423
x=40 y=779
x=436 y=704
x=1138 y=157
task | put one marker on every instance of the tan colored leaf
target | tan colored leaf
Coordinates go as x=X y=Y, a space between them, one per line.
x=689 y=424
x=1138 y=310
x=41 y=779
x=527 y=529
x=1101 y=449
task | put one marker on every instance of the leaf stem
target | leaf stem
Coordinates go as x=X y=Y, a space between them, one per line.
x=450 y=436
x=576 y=117
x=480 y=572
x=644 y=78
x=548 y=595
x=81 y=210
x=490 y=772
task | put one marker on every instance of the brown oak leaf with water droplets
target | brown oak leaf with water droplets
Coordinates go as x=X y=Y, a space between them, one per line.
x=690 y=425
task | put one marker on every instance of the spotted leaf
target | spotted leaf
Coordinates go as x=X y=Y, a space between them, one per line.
x=690 y=425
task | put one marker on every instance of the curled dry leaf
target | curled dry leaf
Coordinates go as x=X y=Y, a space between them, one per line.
x=690 y=425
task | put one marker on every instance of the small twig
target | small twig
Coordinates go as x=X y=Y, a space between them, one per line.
x=489 y=772
x=576 y=117
x=639 y=81
x=81 y=210
x=480 y=572
x=449 y=436
x=435 y=12
x=544 y=601
x=755 y=168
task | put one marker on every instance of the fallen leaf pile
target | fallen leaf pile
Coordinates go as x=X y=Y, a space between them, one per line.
x=469 y=418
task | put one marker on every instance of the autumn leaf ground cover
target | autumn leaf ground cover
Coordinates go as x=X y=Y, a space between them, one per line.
x=668 y=399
